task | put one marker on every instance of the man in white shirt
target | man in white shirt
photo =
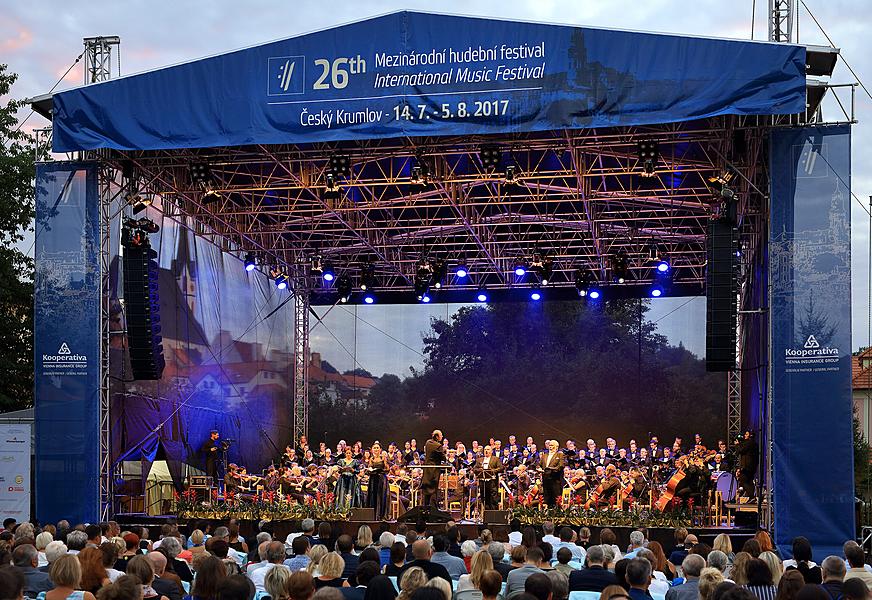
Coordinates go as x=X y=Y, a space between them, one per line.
x=275 y=556
x=548 y=531
x=567 y=540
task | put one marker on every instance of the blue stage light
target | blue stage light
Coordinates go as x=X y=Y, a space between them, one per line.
x=535 y=295
x=482 y=296
x=594 y=294
x=656 y=291
x=369 y=299
x=663 y=266
x=250 y=262
x=461 y=272
x=425 y=298
x=520 y=271
x=328 y=274
x=282 y=282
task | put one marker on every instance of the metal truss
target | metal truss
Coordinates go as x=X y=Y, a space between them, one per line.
x=577 y=196
x=99 y=54
x=781 y=15
x=301 y=366
x=106 y=184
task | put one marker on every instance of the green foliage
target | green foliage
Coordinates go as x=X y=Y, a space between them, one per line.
x=862 y=468
x=17 y=174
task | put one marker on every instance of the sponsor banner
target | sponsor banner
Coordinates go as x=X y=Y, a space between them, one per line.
x=810 y=276
x=15 y=471
x=416 y=74
x=66 y=342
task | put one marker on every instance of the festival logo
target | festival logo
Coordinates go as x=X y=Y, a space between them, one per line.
x=812 y=354
x=63 y=359
x=287 y=75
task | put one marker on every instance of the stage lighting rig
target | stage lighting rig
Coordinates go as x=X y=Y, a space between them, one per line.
x=582 y=282
x=250 y=261
x=535 y=294
x=279 y=277
x=724 y=195
x=367 y=275
x=340 y=166
x=423 y=278
x=440 y=271
x=344 y=288
x=621 y=266
x=520 y=268
x=317 y=266
x=138 y=203
x=648 y=156
x=420 y=177
x=490 y=156
x=543 y=266
x=461 y=270
x=511 y=174
x=204 y=179
x=482 y=295
x=331 y=187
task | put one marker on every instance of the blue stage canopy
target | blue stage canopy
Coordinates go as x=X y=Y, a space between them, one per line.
x=421 y=74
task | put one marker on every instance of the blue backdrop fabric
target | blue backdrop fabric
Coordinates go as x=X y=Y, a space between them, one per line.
x=67 y=343
x=421 y=74
x=810 y=274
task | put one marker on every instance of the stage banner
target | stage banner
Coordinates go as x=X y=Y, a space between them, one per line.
x=67 y=342
x=810 y=275
x=418 y=74
x=15 y=471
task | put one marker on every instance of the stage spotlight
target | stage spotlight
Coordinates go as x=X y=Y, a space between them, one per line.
x=535 y=294
x=461 y=271
x=663 y=265
x=543 y=266
x=369 y=298
x=328 y=273
x=425 y=298
x=490 y=156
x=511 y=174
x=344 y=288
x=520 y=268
x=250 y=262
x=367 y=275
x=138 y=203
x=210 y=196
x=440 y=270
x=594 y=294
x=648 y=155
x=422 y=286
x=621 y=266
x=419 y=179
x=340 y=165
x=281 y=280
x=482 y=295
x=331 y=188
x=656 y=291
x=147 y=225
x=582 y=283
x=201 y=174
x=317 y=267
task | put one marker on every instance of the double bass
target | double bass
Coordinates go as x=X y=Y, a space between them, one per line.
x=672 y=485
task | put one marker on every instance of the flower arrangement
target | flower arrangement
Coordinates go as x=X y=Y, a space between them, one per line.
x=268 y=506
x=576 y=515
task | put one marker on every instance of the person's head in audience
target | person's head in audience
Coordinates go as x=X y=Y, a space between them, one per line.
x=276 y=583
x=564 y=556
x=692 y=566
x=518 y=556
x=765 y=541
x=739 y=572
x=77 y=540
x=325 y=531
x=854 y=554
x=386 y=539
x=812 y=592
x=11 y=583
x=717 y=560
x=774 y=563
x=854 y=589
x=529 y=539
x=411 y=580
x=490 y=584
x=481 y=562
x=833 y=569
x=801 y=550
x=109 y=550
x=547 y=553
x=93 y=571
x=595 y=557
x=444 y=588
x=55 y=550
x=421 y=549
x=559 y=585
x=608 y=537
x=621 y=573
x=790 y=584
x=366 y=570
x=398 y=553
x=722 y=589
x=66 y=572
x=344 y=544
x=497 y=551
x=534 y=557
x=316 y=555
x=126 y=587
x=723 y=544
x=299 y=545
x=332 y=566
x=94 y=535
x=300 y=585
x=752 y=547
x=709 y=579
x=236 y=587
x=539 y=586
x=210 y=573
x=614 y=592
x=638 y=573
x=25 y=556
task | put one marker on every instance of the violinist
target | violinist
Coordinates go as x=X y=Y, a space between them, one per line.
x=607 y=488
x=552 y=465
x=522 y=482
x=577 y=484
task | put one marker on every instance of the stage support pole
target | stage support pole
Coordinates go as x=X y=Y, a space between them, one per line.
x=106 y=480
x=301 y=365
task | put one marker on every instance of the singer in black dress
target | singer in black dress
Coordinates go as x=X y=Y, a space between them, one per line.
x=377 y=490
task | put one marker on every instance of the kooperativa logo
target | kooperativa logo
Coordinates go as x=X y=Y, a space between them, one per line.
x=287 y=75
x=811 y=351
x=65 y=356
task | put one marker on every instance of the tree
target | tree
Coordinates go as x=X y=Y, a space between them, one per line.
x=17 y=174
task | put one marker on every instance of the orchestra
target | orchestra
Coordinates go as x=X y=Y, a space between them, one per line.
x=496 y=475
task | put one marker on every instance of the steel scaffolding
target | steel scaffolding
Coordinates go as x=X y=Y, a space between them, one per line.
x=301 y=365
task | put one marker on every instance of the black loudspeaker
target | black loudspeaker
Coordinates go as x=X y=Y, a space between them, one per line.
x=722 y=285
x=142 y=311
x=496 y=517
x=363 y=514
x=428 y=514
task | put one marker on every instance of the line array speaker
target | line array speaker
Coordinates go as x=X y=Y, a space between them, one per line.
x=142 y=312
x=722 y=286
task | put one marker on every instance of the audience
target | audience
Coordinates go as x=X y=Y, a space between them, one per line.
x=854 y=589
x=275 y=557
x=440 y=556
x=397 y=559
x=833 y=573
x=439 y=584
x=639 y=578
x=738 y=573
x=538 y=585
x=691 y=566
x=801 y=561
x=140 y=567
x=366 y=571
x=210 y=573
x=163 y=584
x=709 y=579
x=760 y=579
x=498 y=552
x=126 y=587
x=300 y=585
x=517 y=577
x=411 y=580
x=614 y=592
x=594 y=578
x=559 y=585
x=11 y=583
x=26 y=558
x=856 y=559
x=490 y=584
x=789 y=586
x=332 y=566
x=774 y=563
x=421 y=553
x=66 y=575
x=481 y=562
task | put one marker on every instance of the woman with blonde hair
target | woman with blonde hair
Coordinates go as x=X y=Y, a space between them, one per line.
x=774 y=563
x=481 y=562
x=724 y=544
x=276 y=583
x=364 y=538
x=441 y=585
x=66 y=573
x=410 y=581
x=198 y=548
x=739 y=570
x=331 y=568
x=709 y=579
x=316 y=554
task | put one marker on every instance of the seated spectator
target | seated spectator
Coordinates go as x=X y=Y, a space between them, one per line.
x=774 y=563
x=739 y=570
x=608 y=538
x=173 y=548
x=94 y=575
x=467 y=549
x=595 y=577
x=397 y=559
x=658 y=586
x=275 y=556
x=490 y=584
x=109 y=550
x=11 y=583
x=664 y=569
x=691 y=566
x=454 y=565
x=76 y=541
x=857 y=563
x=538 y=585
x=332 y=566
x=639 y=578
x=437 y=583
x=760 y=580
x=752 y=547
x=325 y=535
x=380 y=587
x=300 y=559
x=140 y=567
x=518 y=557
x=163 y=584
x=210 y=573
x=833 y=573
x=26 y=558
x=559 y=585
x=125 y=587
x=789 y=586
x=517 y=577
x=65 y=574
x=300 y=586
x=564 y=557
x=498 y=553
x=481 y=562
x=197 y=545
x=236 y=587
x=801 y=561
x=854 y=589
x=385 y=541
x=421 y=553
x=717 y=560
x=567 y=541
x=547 y=554
x=614 y=592
x=765 y=540
x=43 y=540
x=709 y=579
x=316 y=554
x=345 y=547
x=131 y=549
x=53 y=551
x=275 y=584
x=411 y=580
x=366 y=571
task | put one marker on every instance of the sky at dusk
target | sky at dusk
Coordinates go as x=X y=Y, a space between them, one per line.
x=40 y=40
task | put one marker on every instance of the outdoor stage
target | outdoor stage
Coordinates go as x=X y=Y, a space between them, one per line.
x=370 y=164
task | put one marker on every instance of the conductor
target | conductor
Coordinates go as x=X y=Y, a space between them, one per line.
x=211 y=449
x=434 y=454
x=552 y=473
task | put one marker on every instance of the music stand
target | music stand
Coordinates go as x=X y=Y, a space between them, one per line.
x=445 y=469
